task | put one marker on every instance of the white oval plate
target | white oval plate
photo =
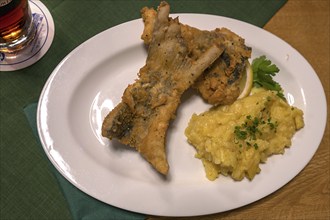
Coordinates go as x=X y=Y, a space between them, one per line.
x=90 y=81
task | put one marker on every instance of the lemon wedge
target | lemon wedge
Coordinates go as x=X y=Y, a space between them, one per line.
x=246 y=83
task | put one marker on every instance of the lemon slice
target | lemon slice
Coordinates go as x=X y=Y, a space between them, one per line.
x=246 y=83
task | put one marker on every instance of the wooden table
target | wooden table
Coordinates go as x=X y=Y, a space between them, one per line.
x=29 y=190
x=304 y=24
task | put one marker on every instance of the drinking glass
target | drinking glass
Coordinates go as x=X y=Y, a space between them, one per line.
x=17 y=28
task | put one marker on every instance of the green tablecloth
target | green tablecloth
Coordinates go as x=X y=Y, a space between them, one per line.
x=31 y=188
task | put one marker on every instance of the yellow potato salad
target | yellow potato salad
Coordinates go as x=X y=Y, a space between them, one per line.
x=234 y=139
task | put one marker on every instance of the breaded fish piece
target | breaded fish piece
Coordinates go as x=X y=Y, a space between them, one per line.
x=142 y=118
x=219 y=84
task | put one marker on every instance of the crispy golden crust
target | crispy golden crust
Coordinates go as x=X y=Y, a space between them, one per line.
x=219 y=84
x=142 y=118
x=148 y=16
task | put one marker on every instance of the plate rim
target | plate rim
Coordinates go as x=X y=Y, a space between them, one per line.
x=67 y=57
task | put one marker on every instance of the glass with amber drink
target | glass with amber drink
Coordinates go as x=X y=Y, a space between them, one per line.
x=17 y=28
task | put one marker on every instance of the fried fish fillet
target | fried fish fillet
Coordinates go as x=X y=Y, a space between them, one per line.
x=219 y=84
x=142 y=118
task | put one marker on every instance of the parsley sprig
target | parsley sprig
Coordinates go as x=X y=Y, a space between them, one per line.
x=263 y=73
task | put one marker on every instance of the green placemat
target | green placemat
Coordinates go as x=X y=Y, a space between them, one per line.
x=81 y=205
x=27 y=191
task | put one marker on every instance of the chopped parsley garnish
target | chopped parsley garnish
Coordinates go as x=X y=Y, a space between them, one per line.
x=263 y=73
x=251 y=128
